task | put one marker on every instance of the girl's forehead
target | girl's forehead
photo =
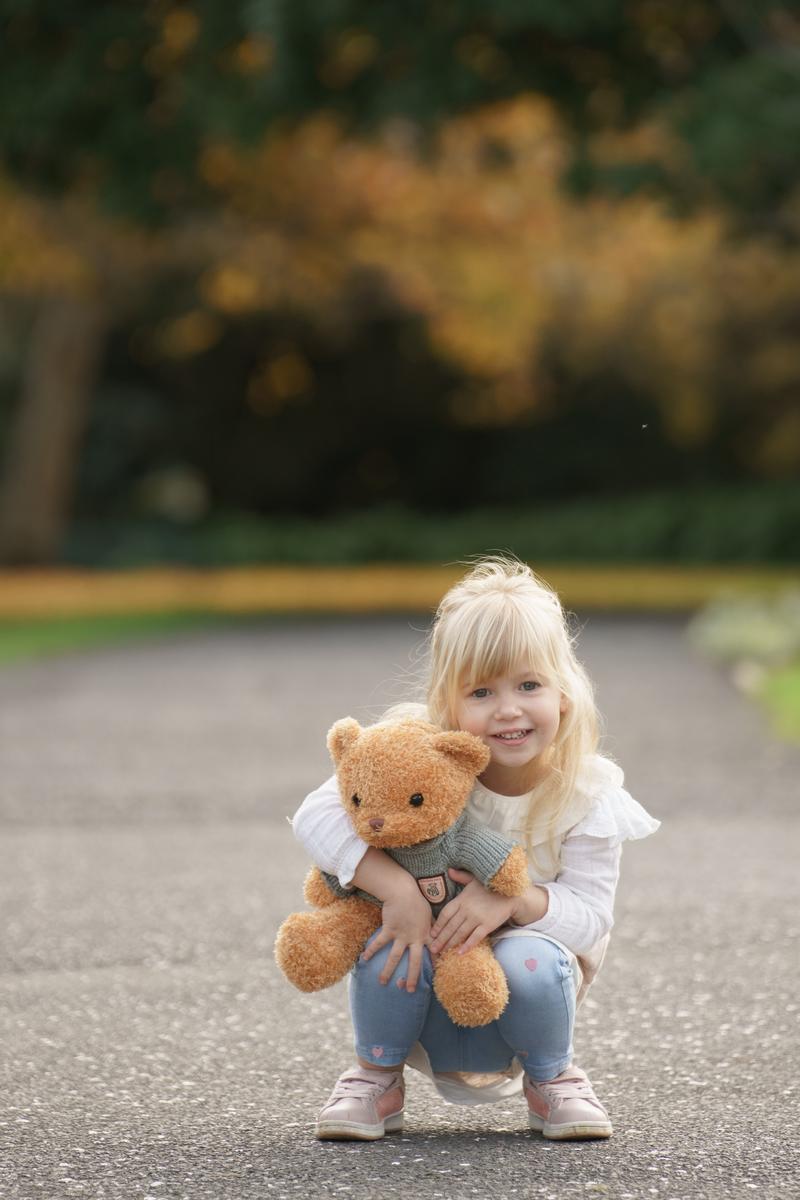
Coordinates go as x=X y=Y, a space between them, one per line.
x=500 y=643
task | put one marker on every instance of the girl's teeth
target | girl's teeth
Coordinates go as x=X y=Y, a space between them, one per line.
x=512 y=737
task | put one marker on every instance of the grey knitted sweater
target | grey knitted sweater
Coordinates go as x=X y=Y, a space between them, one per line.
x=466 y=844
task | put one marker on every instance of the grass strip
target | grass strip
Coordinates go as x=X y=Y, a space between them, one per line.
x=27 y=639
x=781 y=695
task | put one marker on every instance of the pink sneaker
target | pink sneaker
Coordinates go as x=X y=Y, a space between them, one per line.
x=363 y=1105
x=566 y=1107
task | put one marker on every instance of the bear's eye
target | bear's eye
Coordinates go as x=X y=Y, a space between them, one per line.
x=416 y=799
x=355 y=800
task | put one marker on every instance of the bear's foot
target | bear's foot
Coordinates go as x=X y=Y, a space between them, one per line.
x=471 y=987
x=317 y=949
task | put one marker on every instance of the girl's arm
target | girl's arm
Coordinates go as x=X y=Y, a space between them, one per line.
x=581 y=908
x=577 y=908
x=324 y=829
x=326 y=833
x=476 y=912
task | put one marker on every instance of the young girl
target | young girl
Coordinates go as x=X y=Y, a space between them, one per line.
x=502 y=666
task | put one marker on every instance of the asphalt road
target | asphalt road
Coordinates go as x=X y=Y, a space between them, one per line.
x=148 y=1045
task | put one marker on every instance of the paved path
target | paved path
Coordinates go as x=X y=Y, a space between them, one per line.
x=149 y=1046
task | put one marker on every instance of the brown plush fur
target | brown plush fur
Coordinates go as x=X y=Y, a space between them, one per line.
x=383 y=766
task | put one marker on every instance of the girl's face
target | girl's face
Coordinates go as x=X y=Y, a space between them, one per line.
x=517 y=716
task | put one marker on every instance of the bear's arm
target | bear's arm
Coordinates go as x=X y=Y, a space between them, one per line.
x=485 y=854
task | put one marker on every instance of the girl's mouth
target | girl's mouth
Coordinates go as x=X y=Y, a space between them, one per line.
x=516 y=735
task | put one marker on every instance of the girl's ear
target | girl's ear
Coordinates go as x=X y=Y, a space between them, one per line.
x=467 y=749
x=342 y=737
x=563 y=704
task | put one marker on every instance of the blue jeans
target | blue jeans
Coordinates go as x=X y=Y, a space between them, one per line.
x=535 y=1027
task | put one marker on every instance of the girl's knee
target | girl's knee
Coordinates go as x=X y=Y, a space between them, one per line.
x=533 y=964
x=367 y=971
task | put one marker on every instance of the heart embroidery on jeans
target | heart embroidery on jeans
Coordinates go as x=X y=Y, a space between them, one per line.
x=531 y=964
x=377 y=1051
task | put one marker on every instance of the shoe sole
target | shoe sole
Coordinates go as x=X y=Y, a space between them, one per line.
x=578 y=1131
x=351 y=1131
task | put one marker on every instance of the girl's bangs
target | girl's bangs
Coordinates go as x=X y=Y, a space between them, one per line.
x=503 y=641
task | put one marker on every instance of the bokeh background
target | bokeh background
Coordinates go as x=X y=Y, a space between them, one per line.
x=280 y=279
x=301 y=303
x=357 y=283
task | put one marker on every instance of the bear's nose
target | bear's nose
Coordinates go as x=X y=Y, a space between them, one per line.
x=376 y=822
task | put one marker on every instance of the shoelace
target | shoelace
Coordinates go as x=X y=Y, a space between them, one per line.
x=356 y=1083
x=568 y=1089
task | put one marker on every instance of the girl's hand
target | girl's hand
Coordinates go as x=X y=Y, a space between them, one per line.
x=406 y=915
x=406 y=923
x=471 y=916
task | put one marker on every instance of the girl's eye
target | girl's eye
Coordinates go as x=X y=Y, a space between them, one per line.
x=530 y=685
x=355 y=800
x=480 y=693
x=416 y=800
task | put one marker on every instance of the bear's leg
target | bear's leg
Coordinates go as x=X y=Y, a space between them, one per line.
x=317 y=949
x=471 y=987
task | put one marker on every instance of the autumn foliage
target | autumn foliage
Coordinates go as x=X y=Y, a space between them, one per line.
x=547 y=311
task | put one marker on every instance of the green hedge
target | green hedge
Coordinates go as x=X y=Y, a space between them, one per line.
x=758 y=524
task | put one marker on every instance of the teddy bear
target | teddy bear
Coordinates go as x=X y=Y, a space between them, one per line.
x=405 y=785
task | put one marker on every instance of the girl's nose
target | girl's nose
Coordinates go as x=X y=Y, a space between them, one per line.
x=508 y=707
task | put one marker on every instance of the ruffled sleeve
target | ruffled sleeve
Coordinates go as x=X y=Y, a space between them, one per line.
x=617 y=816
x=326 y=831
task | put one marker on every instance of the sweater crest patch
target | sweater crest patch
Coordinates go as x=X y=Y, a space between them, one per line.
x=433 y=888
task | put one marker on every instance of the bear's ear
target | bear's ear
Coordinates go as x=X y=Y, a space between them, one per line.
x=342 y=736
x=467 y=749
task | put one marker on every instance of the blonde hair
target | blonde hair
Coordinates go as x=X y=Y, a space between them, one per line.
x=499 y=616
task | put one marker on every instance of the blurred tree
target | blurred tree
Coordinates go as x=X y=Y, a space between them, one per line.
x=124 y=107
x=112 y=105
x=540 y=303
x=120 y=100
x=69 y=276
x=719 y=77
